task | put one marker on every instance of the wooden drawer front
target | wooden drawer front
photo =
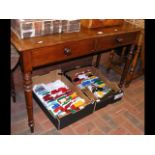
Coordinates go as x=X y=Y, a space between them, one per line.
x=61 y=52
x=115 y=41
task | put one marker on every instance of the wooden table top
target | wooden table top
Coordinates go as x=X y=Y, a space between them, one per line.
x=85 y=33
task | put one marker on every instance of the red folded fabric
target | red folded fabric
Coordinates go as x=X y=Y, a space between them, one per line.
x=47 y=97
x=59 y=108
x=62 y=89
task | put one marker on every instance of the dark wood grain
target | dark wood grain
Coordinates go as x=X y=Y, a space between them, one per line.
x=116 y=40
x=56 y=53
x=50 y=40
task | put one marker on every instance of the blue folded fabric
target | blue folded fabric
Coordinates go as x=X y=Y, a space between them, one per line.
x=86 y=83
x=40 y=88
x=43 y=92
x=55 y=106
x=94 y=80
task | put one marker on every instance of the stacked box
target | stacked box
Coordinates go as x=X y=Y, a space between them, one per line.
x=22 y=28
x=69 y=26
x=57 y=26
x=64 y=26
x=26 y=28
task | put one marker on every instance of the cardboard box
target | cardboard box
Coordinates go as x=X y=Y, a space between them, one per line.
x=98 y=23
x=113 y=96
x=61 y=122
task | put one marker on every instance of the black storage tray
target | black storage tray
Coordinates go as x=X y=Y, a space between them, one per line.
x=110 y=98
x=70 y=118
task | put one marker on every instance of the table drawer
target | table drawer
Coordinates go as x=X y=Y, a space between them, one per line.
x=115 y=41
x=61 y=52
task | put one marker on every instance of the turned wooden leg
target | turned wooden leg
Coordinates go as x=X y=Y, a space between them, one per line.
x=132 y=69
x=135 y=59
x=122 y=55
x=126 y=67
x=98 y=60
x=13 y=91
x=28 y=97
x=111 y=56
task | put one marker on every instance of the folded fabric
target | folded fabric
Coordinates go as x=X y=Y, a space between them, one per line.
x=88 y=80
x=58 y=98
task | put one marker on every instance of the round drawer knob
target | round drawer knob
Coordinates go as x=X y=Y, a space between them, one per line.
x=119 y=40
x=67 y=51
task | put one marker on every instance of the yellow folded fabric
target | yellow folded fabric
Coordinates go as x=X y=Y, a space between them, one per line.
x=101 y=85
x=74 y=95
x=100 y=94
x=78 y=103
x=93 y=77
